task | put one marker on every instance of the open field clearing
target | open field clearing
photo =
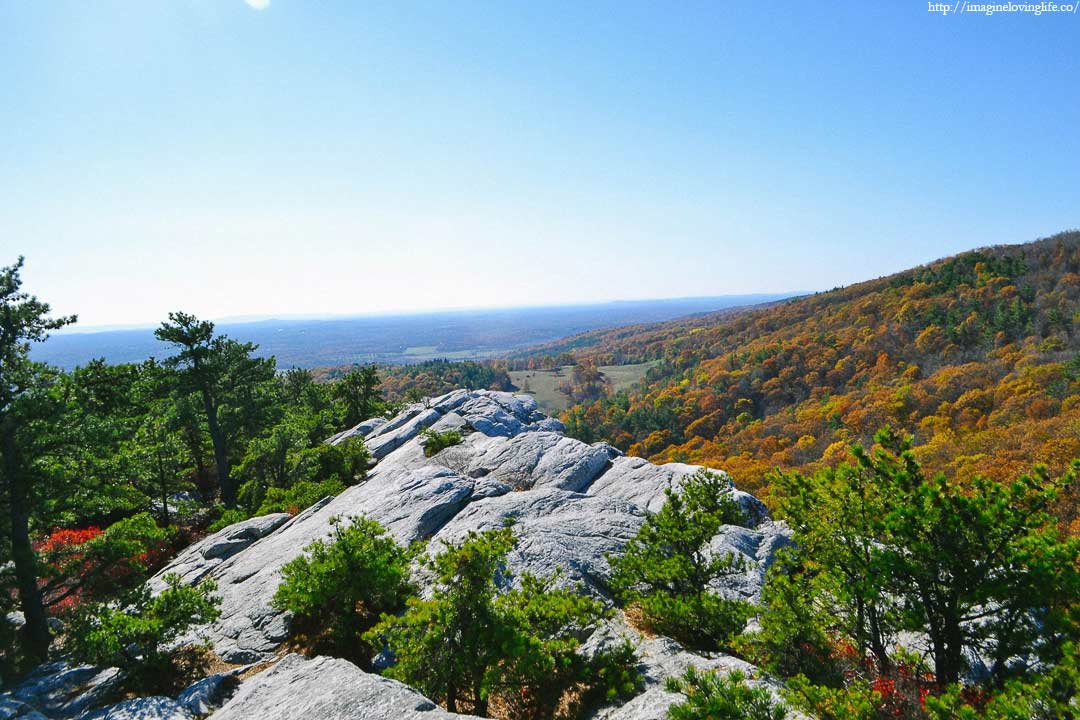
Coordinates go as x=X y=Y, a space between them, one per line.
x=544 y=384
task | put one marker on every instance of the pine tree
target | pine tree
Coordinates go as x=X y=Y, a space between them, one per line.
x=24 y=402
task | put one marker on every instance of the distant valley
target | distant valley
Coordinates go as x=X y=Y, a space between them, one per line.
x=395 y=339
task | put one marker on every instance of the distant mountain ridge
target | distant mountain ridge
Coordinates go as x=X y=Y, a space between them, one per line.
x=394 y=339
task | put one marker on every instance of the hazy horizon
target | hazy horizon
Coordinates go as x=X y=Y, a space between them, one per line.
x=82 y=328
x=394 y=339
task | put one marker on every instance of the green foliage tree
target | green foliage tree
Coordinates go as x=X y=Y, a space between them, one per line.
x=282 y=471
x=296 y=497
x=469 y=644
x=26 y=410
x=542 y=662
x=835 y=515
x=855 y=700
x=339 y=588
x=358 y=390
x=797 y=622
x=81 y=470
x=978 y=565
x=1049 y=696
x=286 y=455
x=158 y=457
x=312 y=401
x=9 y=641
x=449 y=647
x=272 y=460
x=135 y=634
x=721 y=696
x=666 y=571
x=227 y=378
x=432 y=378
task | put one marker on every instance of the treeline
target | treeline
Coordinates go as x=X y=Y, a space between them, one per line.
x=410 y=383
x=586 y=382
x=107 y=469
x=979 y=355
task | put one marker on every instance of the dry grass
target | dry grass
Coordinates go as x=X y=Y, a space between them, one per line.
x=635 y=618
x=543 y=385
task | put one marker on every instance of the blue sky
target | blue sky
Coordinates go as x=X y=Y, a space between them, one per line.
x=352 y=157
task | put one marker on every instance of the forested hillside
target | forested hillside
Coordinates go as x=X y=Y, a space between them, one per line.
x=977 y=355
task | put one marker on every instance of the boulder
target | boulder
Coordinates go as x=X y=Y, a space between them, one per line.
x=757 y=547
x=144 y=708
x=199 y=559
x=388 y=439
x=325 y=688
x=450 y=401
x=638 y=481
x=559 y=533
x=59 y=690
x=644 y=484
x=204 y=696
x=660 y=658
x=362 y=430
x=535 y=459
x=11 y=709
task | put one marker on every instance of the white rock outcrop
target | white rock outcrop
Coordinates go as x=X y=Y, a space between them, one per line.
x=572 y=504
x=325 y=688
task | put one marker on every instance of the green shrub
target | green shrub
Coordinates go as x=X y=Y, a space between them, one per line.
x=302 y=495
x=614 y=675
x=469 y=646
x=104 y=565
x=266 y=500
x=354 y=460
x=702 y=620
x=719 y=696
x=1051 y=695
x=10 y=660
x=135 y=634
x=347 y=462
x=666 y=570
x=856 y=700
x=338 y=589
x=283 y=472
x=435 y=441
x=795 y=616
x=449 y=647
x=543 y=663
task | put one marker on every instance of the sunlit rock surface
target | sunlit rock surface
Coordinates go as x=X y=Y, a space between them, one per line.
x=571 y=505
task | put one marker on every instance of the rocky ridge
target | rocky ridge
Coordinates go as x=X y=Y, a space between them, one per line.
x=572 y=504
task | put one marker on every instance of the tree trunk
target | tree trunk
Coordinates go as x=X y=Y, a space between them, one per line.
x=221 y=458
x=480 y=704
x=877 y=642
x=164 y=492
x=202 y=479
x=451 y=698
x=35 y=633
x=948 y=670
